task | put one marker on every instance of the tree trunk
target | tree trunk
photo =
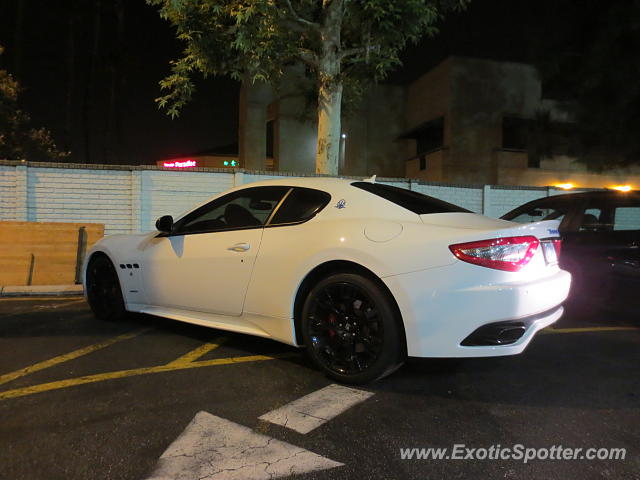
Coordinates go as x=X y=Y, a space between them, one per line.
x=329 y=105
x=330 y=89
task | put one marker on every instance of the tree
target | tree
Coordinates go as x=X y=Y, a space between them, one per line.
x=340 y=42
x=591 y=65
x=17 y=139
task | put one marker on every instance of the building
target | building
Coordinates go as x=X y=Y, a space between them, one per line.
x=220 y=157
x=461 y=122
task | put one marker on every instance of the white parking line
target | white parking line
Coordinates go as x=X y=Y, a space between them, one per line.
x=311 y=411
x=212 y=448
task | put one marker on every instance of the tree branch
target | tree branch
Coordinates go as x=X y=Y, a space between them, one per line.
x=308 y=57
x=299 y=19
x=358 y=50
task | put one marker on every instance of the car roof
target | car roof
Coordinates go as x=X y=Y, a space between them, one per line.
x=309 y=182
x=593 y=194
x=575 y=197
x=360 y=203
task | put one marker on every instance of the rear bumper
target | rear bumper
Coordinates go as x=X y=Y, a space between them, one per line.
x=443 y=308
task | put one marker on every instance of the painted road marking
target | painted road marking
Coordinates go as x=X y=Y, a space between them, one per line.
x=213 y=448
x=589 y=329
x=71 y=382
x=311 y=411
x=7 y=377
x=196 y=353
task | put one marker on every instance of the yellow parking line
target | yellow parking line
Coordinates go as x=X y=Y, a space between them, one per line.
x=7 y=377
x=198 y=352
x=45 y=387
x=589 y=329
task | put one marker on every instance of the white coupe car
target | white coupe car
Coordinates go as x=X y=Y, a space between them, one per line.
x=362 y=274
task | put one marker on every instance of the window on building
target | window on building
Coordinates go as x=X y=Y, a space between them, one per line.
x=514 y=133
x=270 y=137
x=430 y=136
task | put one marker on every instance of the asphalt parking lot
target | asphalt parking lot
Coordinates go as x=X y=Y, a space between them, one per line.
x=81 y=399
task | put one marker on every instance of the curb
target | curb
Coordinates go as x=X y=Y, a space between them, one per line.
x=41 y=291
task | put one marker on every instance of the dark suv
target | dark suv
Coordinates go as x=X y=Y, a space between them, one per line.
x=600 y=244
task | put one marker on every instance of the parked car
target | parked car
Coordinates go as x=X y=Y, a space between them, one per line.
x=600 y=243
x=362 y=274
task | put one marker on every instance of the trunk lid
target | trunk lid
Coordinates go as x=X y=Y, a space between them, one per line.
x=479 y=227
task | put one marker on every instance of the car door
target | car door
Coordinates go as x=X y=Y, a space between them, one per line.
x=603 y=248
x=206 y=262
x=285 y=243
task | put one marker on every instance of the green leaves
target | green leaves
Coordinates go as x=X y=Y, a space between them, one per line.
x=18 y=140
x=260 y=38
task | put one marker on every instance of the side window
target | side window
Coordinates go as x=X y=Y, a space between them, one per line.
x=300 y=205
x=245 y=208
x=627 y=218
x=616 y=212
x=593 y=220
x=544 y=211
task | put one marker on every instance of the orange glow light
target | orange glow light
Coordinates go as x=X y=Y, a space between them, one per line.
x=622 y=188
x=565 y=186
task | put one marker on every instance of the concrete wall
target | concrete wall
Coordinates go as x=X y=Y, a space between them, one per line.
x=429 y=97
x=372 y=130
x=129 y=199
x=295 y=137
x=483 y=93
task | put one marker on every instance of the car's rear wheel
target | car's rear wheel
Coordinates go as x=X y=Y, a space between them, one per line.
x=351 y=330
x=103 y=289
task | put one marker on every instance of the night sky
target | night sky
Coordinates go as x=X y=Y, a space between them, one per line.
x=90 y=72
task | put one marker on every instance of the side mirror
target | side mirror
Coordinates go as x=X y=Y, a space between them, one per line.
x=165 y=224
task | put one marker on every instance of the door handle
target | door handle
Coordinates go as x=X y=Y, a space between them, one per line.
x=240 y=247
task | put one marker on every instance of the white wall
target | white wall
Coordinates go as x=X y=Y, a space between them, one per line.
x=129 y=199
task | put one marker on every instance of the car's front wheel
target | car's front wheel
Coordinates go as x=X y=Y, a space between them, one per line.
x=351 y=330
x=103 y=289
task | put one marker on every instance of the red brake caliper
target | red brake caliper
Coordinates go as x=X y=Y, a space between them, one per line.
x=332 y=321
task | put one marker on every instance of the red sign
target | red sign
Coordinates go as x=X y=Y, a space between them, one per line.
x=180 y=164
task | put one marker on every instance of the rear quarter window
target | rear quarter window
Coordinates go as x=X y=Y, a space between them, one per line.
x=413 y=201
x=300 y=205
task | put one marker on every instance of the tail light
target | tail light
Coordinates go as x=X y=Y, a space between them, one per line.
x=509 y=253
x=557 y=243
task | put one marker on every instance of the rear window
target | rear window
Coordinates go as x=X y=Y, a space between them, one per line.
x=414 y=201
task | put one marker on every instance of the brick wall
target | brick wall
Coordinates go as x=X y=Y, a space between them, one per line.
x=8 y=198
x=80 y=195
x=128 y=199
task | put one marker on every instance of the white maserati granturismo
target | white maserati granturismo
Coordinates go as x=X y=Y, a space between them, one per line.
x=360 y=273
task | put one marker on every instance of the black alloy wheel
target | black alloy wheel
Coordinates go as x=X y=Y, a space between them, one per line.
x=350 y=329
x=103 y=289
